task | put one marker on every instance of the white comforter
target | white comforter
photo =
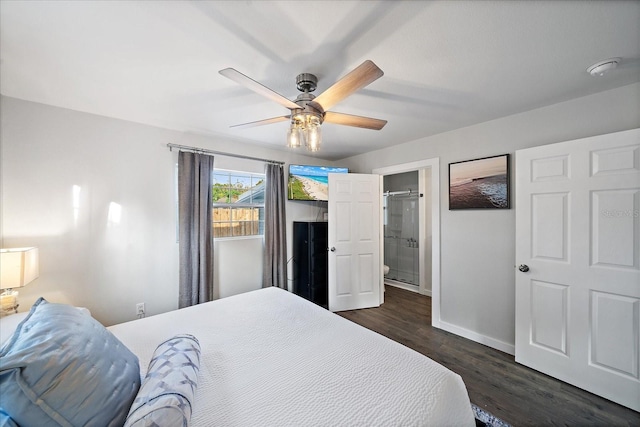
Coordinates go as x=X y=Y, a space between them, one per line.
x=271 y=358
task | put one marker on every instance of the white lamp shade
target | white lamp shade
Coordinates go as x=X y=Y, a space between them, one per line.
x=18 y=266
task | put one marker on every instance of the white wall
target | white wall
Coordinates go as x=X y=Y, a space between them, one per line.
x=85 y=260
x=478 y=247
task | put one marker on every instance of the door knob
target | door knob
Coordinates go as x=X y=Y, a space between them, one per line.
x=333 y=249
x=523 y=267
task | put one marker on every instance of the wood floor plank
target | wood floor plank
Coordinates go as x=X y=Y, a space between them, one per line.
x=519 y=395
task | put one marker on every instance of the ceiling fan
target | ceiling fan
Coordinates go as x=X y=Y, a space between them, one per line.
x=308 y=112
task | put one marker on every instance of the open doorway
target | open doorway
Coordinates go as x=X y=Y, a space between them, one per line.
x=426 y=246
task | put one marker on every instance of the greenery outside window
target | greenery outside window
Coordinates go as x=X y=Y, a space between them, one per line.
x=238 y=204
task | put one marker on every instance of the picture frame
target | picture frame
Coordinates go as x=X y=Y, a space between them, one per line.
x=482 y=183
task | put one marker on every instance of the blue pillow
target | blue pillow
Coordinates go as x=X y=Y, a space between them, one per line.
x=167 y=391
x=62 y=367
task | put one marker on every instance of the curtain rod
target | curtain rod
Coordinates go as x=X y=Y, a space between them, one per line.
x=221 y=153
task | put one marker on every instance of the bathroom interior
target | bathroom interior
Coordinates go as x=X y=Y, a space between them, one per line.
x=407 y=245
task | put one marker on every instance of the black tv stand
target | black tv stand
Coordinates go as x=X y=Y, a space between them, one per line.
x=310 y=261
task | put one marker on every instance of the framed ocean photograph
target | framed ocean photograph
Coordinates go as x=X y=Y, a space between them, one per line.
x=479 y=183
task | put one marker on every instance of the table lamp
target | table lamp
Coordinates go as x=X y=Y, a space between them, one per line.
x=18 y=266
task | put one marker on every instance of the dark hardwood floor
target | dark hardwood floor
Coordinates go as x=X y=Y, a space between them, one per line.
x=496 y=383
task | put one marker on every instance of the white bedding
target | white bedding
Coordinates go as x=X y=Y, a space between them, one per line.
x=271 y=358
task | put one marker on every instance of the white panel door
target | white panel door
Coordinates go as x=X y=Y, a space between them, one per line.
x=355 y=276
x=578 y=256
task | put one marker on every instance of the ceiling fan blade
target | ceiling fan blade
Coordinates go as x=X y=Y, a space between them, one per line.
x=361 y=76
x=351 y=120
x=262 y=122
x=249 y=83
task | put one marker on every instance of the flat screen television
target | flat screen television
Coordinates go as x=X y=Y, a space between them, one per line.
x=310 y=182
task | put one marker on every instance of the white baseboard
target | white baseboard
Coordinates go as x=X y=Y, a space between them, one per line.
x=474 y=336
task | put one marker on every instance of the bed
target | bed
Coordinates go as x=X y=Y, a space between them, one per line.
x=271 y=358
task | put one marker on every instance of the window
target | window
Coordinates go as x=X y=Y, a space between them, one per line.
x=238 y=203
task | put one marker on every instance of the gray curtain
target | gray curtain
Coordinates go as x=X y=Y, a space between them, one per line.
x=195 y=231
x=275 y=227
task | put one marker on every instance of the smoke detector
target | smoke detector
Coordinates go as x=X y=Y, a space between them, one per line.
x=602 y=67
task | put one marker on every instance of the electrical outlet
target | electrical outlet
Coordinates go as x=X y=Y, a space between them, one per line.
x=140 y=309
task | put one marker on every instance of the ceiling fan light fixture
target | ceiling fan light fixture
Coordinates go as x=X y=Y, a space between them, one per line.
x=308 y=112
x=305 y=127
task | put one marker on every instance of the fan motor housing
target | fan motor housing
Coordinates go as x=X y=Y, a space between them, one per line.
x=306 y=82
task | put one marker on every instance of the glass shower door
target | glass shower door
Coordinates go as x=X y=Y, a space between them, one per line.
x=401 y=237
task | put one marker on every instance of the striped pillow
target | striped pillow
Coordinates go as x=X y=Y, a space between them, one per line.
x=166 y=395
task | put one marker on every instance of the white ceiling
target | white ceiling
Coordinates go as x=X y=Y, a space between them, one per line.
x=447 y=64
